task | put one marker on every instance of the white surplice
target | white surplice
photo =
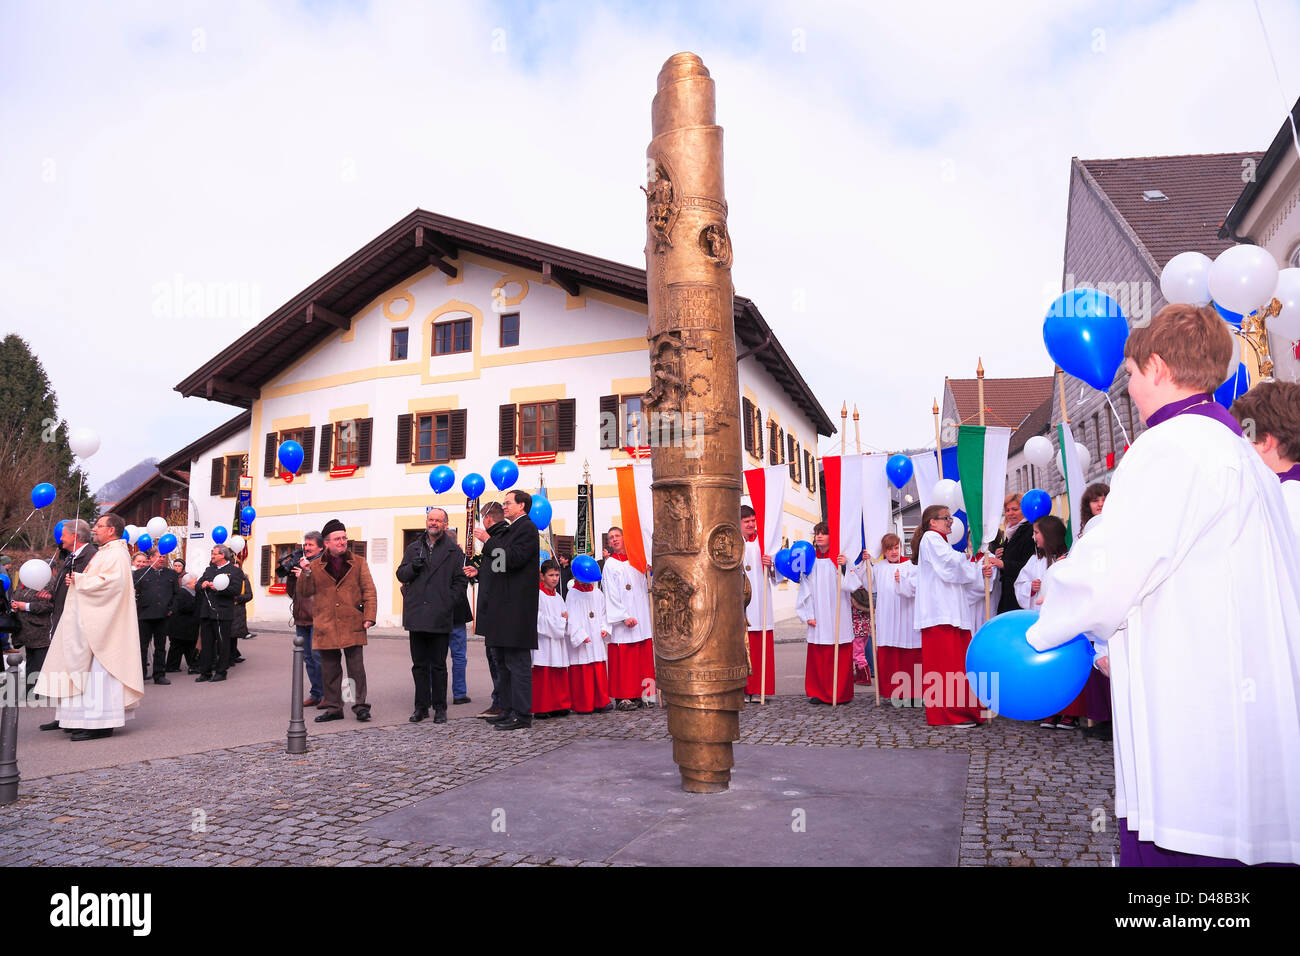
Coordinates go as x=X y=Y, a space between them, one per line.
x=943 y=580
x=1194 y=557
x=1291 y=496
x=552 y=642
x=586 y=620
x=816 y=602
x=976 y=592
x=626 y=596
x=760 y=586
x=896 y=605
x=1035 y=569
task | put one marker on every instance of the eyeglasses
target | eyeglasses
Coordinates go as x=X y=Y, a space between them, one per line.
x=946 y=518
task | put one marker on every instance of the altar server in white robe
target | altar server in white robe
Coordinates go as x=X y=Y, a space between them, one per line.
x=93 y=667
x=819 y=590
x=588 y=633
x=1270 y=415
x=1193 y=558
x=1032 y=586
x=631 y=650
x=760 y=571
x=898 y=642
x=551 y=658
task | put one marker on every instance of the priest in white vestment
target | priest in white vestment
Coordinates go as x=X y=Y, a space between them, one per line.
x=93 y=668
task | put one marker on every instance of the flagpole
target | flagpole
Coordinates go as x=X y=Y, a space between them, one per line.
x=835 y=563
x=1065 y=417
x=871 y=598
x=938 y=444
x=979 y=376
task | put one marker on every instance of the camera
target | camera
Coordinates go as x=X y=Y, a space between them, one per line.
x=288 y=563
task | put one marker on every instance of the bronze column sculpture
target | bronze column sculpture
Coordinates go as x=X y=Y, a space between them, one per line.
x=694 y=403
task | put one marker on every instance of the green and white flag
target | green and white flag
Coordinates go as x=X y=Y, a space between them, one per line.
x=982 y=464
x=1069 y=464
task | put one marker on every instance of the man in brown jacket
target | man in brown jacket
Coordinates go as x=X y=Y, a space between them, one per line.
x=342 y=593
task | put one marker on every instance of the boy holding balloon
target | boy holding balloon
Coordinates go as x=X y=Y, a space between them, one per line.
x=1202 y=778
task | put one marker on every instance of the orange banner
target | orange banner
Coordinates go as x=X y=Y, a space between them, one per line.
x=633 y=542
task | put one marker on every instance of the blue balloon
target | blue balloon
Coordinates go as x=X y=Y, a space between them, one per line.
x=1233 y=388
x=585 y=569
x=219 y=535
x=167 y=544
x=247 y=514
x=291 y=456
x=1085 y=332
x=43 y=494
x=1035 y=503
x=1232 y=318
x=543 y=556
x=899 y=470
x=472 y=484
x=781 y=561
x=441 y=478
x=540 y=512
x=1011 y=678
x=4 y=581
x=143 y=543
x=965 y=535
x=504 y=474
x=802 y=556
x=58 y=532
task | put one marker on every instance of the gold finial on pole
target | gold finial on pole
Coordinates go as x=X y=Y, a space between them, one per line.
x=857 y=434
x=938 y=444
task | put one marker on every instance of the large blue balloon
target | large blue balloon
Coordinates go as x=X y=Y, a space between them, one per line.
x=1035 y=503
x=899 y=470
x=219 y=535
x=43 y=494
x=472 y=484
x=965 y=535
x=143 y=543
x=540 y=512
x=1011 y=678
x=247 y=514
x=291 y=456
x=167 y=544
x=504 y=474
x=781 y=560
x=802 y=557
x=441 y=478
x=58 y=532
x=1233 y=388
x=585 y=569
x=1085 y=332
x=1232 y=318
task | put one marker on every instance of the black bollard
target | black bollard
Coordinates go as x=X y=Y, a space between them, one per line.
x=297 y=729
x=13 y=698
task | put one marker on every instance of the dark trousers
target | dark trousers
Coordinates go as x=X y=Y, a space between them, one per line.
x=429 y=669
x=331 y=668
x=182 y=651
x=515 y=681
x=155 y=630
x=495 y=671
x=215 y=655
x=35 y=661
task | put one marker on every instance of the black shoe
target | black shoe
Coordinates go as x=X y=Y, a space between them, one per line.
x=328 y=716
x=513 y=724
x=816 y=700
x=462 y=700
x=192 y=670
x=92 y=734
x=217 y=677
x=502 y=718
x=420 y=714
x=559 y=713
x=363 y=714
x=544 y=715
x=439 y=716
x=160 y=679
x=604 y=710
x=202 y=678
x=52 y=725
x=238 y=660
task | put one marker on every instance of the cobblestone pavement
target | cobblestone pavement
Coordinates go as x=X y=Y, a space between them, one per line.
x=1033 y=795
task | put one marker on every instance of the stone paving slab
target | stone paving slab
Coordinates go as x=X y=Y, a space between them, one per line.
x=1033 y=797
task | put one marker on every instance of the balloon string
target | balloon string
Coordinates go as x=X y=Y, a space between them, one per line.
x=1117 y=419
x=16 y=530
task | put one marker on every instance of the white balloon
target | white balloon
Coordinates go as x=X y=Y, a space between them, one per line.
x=1085 y=456
x=1235 y=360
x=908 y=498
x=946 y=492
x=157 y=527
x=235 y=543
x=1186 y=278
x=1039 y=450
x=221 y=582
x=1287 y=322
x=1243 y=278
x=958 y=531
x=35 y=574
x=84 y=442
x=130 y=533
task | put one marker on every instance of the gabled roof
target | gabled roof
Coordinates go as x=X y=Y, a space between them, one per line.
x=1282 y=143
x=180 y=462
x=1039 y=422
x=1008 y=401
x=1200 y=189
x=416 y=242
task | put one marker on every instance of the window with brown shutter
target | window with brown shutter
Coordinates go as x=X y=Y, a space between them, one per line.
x=268 y=460
x=565 y=419
x=357 y=547
x=365 y=427
x=563 y=546
x=217 y=476
x=459 y=430
x=780 y=443
x=326 y=447
x=609 y=432
x=506 y=430
x=296 y=434
x=794 y=459
x=747 y=413
x=266 y=566
x=773 y=444
x=236 y=465
x=758 y=433
x=432 y=437
x=404 y=439
x=538 y=428
x=808 y=469
x=308 y=450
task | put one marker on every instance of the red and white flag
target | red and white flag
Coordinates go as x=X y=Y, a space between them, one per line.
x=766 y=488
x=843 y=482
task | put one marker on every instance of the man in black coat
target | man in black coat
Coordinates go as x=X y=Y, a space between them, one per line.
x=217 y=613
x=72 y=558
x=1014 y=546
x=507 y=606
x=155 y=597
x=433 y=579
x=183 y=628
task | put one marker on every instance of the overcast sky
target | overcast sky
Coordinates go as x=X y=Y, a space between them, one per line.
x=896 y=173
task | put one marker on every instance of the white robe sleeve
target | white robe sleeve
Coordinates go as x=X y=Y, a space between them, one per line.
x=948 y=565
x=906 y=583
x=1025 y=581
x=614 y=593
x=805 y=604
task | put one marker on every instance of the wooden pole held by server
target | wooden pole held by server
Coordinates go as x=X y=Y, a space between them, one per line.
x=979 y=376
x=835 y=563
x=938 y=444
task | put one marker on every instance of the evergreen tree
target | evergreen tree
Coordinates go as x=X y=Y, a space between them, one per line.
x=34 y=448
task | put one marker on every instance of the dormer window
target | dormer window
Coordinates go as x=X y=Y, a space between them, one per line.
x=1154 y=195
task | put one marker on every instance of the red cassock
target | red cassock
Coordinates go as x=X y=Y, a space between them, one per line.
x=551 y=689
x=588 y=687
x=756 y=664
x=820 y=674
x=631 y=669
x=900 y=672
x=945 y=690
